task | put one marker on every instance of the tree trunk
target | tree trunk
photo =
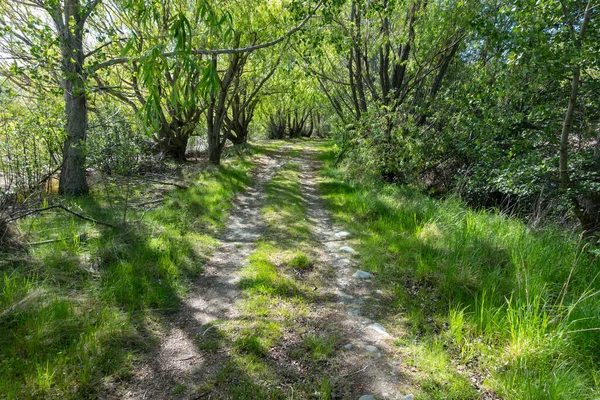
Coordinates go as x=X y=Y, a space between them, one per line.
x=213 y=132
x=72 y=175
x=585 y=207
x=218 y=108
x=173 y=145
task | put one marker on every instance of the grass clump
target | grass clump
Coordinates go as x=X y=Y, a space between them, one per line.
x=319 y=347
x=500 y=296
x=300 y=261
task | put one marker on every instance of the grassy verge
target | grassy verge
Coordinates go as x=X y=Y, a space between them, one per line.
x=276 y=347
x=481 y=296
x=74 y=313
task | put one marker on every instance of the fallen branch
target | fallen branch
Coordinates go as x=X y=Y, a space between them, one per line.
x=147 y=203
x=165 y=183
x=22 y=303
x=49 y=241
x=38 y=210
x=82 y=237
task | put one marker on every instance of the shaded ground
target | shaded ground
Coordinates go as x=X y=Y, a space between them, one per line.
x=177 y=359
x=221 y=345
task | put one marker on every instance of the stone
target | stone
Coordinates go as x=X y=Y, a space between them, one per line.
x=348 y=249
x=367 y=397
x=379 y=291
x=353 y=313
x=342 y=235
x=348 y=346
x=362 y=274
x=379 y=329
x=371 y=349
x=408 y=397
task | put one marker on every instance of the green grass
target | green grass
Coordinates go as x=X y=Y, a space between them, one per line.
x=75 y=313
x=484 y=290
x=270 y=335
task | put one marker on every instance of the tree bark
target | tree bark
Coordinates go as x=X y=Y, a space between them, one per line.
x=72 y=175
x=586 y=208
x=217 y=108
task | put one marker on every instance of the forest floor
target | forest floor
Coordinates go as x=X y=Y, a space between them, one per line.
x=280 y=275
x=276 y=312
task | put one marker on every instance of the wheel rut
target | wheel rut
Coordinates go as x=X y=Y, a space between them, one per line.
x=364 y=365
x=177 y=359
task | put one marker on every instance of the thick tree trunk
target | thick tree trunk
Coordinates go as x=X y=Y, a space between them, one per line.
x=173 y=145
x=72 y=175
x=217 y=109
x=214 y=150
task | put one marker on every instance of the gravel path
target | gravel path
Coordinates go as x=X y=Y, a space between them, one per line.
x=177 y=359
x=363 y=366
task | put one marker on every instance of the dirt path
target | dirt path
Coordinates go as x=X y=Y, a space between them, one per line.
x=177 y=360
x=362 y=363
x=366 y=365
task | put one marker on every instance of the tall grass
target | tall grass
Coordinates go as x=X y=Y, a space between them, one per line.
x=520 y=304
x=75 y=313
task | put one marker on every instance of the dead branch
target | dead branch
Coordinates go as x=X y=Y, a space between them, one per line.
x=38 y=210
x=165 y=183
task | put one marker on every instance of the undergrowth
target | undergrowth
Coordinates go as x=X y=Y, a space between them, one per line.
x=515 y=308
x=75 y=312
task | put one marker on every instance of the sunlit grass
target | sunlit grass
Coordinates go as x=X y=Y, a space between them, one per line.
x=76 y=312
x=511 y=301
x=275 y=301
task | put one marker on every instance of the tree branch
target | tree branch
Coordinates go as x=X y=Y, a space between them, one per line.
x=38 y=210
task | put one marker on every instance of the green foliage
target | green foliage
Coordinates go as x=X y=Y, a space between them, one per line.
x=486 y=288
x=30 y=137
x=115 y=145
x=78 y=311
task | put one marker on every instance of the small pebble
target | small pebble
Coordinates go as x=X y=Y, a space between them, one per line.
x=348 y=249
x=362 y=274
x=371 y=348
x=379 y=329
x=342 y=235
x=367 y=397
x=409 y=397
x=353 y=313
x=348 y=346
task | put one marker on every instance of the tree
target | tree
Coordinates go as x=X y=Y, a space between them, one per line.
x=69 y=19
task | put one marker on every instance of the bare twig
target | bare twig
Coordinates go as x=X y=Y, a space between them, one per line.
x=211 y=327
x=165 y=183
x=356 y=372
x=38 y=210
